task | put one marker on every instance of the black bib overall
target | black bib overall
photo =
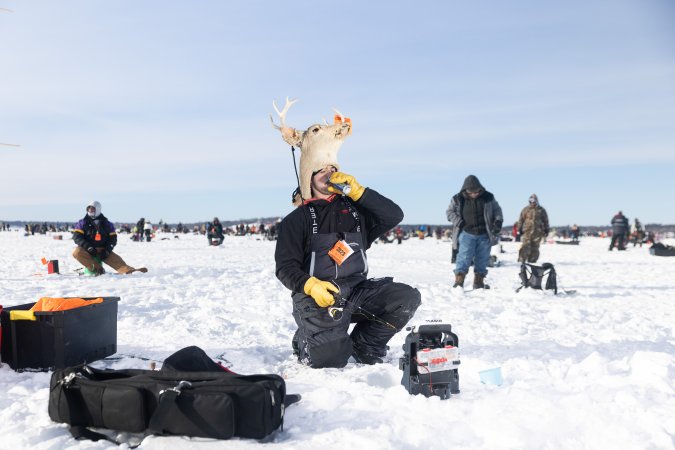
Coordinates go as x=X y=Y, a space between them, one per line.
x=379 y=307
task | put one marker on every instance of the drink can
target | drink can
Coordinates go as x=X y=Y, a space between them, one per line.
x=345 y=188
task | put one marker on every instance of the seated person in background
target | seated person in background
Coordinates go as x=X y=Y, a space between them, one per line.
x=214 y=232
x=96 y=238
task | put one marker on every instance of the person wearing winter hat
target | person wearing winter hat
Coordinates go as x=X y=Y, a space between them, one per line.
x=477 y=220
x=147 y=230
x=214 y=232
x=534 y=227
x=637 y=233
x=321 y=257
x=96 y=238
x=140 y=229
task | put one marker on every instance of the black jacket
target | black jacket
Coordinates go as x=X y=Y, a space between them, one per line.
x=473 y=214
x=215 y=229
x=620 y=224
x=377 y=215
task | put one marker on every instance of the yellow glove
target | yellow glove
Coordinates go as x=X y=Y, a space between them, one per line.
x=319 y=291
x=339 y=177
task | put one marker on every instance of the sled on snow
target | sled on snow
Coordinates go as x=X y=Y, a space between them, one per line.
x=660 y=249
x=567 y=242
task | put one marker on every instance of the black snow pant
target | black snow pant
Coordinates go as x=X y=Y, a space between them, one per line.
x=211 y=237
x=379 y=307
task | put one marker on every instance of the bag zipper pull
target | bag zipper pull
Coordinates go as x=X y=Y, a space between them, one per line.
x=68 y=380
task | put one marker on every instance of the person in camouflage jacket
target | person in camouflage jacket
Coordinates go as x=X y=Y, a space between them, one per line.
x=533 y=226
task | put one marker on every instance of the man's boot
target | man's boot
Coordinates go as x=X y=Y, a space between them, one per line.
x=479 y=281
x=366 y=358
x=459 y=280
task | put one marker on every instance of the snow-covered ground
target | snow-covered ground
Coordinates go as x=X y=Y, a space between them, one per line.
x=594 y=369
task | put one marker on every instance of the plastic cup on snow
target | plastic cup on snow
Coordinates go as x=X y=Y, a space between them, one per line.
x=491 y=376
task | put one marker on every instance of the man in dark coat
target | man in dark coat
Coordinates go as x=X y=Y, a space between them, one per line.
x=140 y=229
x=96 y=238
x=620 y=226
x=321 y=257
x=477 y=221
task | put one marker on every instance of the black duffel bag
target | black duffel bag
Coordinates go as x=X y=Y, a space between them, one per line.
x=213 y=404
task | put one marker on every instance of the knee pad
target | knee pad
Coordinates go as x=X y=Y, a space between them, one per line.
x=333 y=353
x=402 y=304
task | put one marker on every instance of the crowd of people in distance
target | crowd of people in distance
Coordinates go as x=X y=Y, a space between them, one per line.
x=32 y=228
x=145 y=231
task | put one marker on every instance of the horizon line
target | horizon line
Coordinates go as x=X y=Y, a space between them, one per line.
x=269 y=219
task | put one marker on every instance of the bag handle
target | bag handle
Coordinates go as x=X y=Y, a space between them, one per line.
x=167 y=398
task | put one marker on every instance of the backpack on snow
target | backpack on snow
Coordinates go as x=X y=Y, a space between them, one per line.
x=533 y=277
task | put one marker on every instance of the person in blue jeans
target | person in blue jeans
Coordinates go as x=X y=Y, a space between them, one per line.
x=477 y=221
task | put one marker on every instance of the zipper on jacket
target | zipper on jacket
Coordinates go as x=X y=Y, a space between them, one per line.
x=365 y=262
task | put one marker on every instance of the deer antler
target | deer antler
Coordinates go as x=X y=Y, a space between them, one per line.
x=282 y=113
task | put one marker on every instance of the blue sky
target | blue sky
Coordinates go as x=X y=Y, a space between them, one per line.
x=161 y=108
